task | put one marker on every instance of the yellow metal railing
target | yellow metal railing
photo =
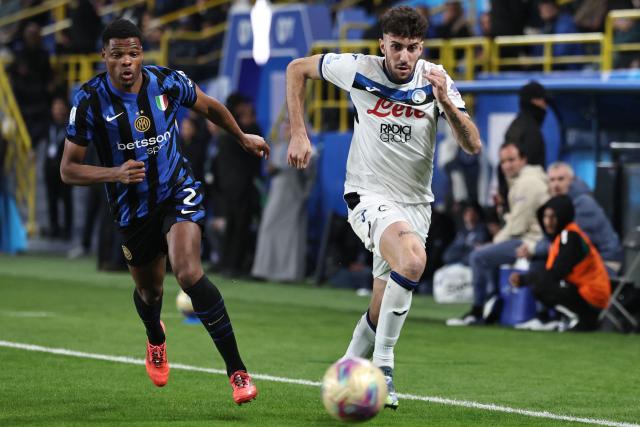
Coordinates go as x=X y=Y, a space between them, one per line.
x=80 y=68
x=19 y=158
x=47 y=6
x=326 y=96
x=548 y=60
x=610 y=48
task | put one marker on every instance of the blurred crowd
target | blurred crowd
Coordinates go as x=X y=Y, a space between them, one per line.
x=529 y=17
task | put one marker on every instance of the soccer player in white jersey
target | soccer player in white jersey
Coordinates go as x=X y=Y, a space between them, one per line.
x=397 y=98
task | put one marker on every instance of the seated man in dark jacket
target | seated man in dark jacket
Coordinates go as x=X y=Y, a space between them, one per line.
x=574 y=280
x=589 y=215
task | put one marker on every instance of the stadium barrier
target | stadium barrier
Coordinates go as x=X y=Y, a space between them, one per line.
x=548 y=42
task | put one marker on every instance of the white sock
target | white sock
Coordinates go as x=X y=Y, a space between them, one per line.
x=364 y=336
x=396 y=299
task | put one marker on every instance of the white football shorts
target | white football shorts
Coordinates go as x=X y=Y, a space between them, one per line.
x=374 y=213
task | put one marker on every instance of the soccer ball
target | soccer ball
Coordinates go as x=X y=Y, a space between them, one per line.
x=353 y=389
x=183 y=303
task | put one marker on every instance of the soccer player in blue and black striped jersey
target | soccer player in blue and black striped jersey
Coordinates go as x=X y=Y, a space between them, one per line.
x=129 y=114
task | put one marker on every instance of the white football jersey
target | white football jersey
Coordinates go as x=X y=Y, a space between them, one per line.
x=394 y=133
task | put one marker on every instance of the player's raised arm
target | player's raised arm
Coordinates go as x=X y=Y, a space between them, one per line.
x=217 y=113
x=298 y=71
x=74 y=172
x=463 y=128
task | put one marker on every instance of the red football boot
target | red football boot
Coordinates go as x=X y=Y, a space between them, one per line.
x=157 y=363
x=244 y=390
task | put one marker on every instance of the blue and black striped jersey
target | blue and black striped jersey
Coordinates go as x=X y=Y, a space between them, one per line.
x=140 y=126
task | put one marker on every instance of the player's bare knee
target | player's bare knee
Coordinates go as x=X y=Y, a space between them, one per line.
x=412 y=266
x=187 y=275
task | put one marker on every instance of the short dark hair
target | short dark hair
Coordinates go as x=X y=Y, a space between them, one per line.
x=120 y=29
x=403 y=21
x=515 y=144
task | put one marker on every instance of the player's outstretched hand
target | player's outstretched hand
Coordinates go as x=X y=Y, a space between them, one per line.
x=131 y=172
x=256 y=145
x=439 y=82
x=299 y=151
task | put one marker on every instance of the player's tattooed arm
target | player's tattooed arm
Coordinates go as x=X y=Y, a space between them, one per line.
x=298 y=71
x=73 y=171
x=463 y=128
x=465 y=132
x=218 y=114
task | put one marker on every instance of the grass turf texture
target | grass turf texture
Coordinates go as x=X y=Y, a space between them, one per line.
x=293 y=331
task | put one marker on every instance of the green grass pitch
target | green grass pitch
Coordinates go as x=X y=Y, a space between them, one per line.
x=290 y=331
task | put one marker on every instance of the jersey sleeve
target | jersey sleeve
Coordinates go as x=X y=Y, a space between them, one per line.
x=339 y=68
x=453 y=93
x=178 y=86
x=80 y=129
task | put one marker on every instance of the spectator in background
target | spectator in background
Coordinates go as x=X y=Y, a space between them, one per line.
x=590 y=15
x=454 y=24
x=374 y=32
x=472 y=235
x=282 y=237
x=526 y=132
x=32 y=82
x=58 y=193
x=526 y=129
x=151 y=32
x=485 y=24
x=86 y=27
x=194 y=147
x=626 y=31
x=528 y=190
x=95 y=208
x=237 y=172
x=588 y=214
x=508 y=18
x=215 y=225
x=574 y=281
x=555 y=21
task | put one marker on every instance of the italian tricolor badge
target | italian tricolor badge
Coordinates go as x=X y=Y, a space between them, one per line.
x=162 y=102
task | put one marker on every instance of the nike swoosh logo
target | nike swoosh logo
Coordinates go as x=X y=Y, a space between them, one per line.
x=110 y=119
x=215 y=321
x=400 y=313
x=184 y=211
x=372 y=89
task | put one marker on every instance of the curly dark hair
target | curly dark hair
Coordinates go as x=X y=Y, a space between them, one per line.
x=120 y=29
x=403 y=21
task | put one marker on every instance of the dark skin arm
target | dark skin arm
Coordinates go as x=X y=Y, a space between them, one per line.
x=74 y=172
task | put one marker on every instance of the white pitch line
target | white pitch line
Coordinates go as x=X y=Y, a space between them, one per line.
x=430 y=399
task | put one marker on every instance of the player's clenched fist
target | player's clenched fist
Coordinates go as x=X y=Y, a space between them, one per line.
x=255 y=145
x=299 y=151
x=131 y=172
x=439 y=82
